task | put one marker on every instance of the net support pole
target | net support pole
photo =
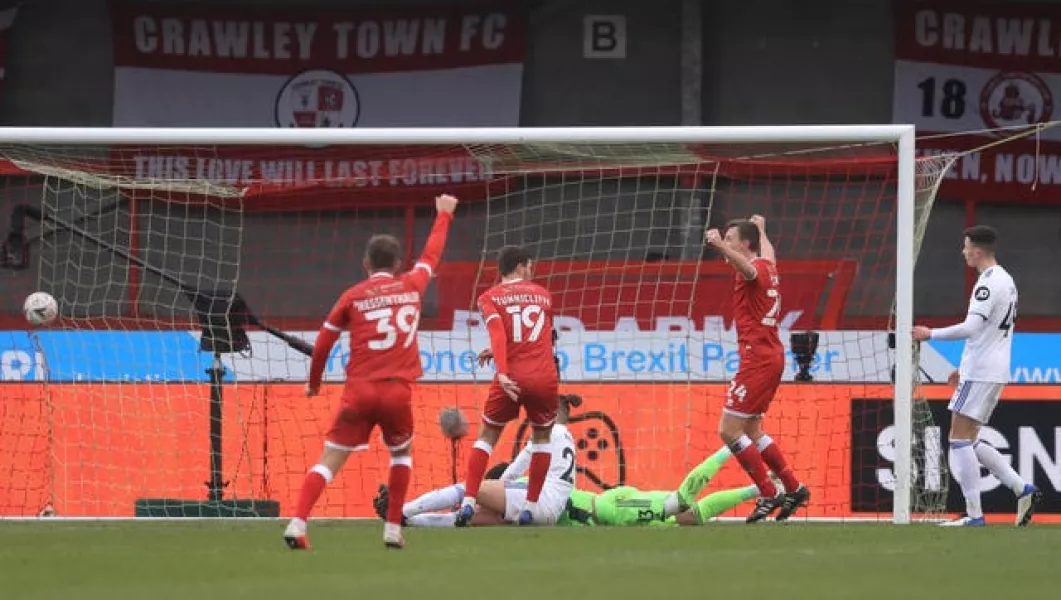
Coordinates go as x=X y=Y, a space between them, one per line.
x=904 y=322
x=216 y=485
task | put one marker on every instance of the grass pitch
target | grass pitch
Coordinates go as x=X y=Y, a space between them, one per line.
x=232 y=560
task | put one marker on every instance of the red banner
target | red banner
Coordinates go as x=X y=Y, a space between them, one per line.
x=979 y=66
x=601 y=296
x=93 y=450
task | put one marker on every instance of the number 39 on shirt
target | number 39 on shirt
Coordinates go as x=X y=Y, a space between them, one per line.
x=390 y=323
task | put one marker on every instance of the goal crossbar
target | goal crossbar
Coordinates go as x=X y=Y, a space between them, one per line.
x=444 y=135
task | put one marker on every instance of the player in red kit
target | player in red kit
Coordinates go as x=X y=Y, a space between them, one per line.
x=756 y=309
x=519 y=317
x=382 y=314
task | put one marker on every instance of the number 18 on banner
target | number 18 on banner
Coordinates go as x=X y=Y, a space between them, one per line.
x=946 y=98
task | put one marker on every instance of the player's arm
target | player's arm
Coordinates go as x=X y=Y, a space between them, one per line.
x=741 y=264
x=975 y=320
x=971 y=326
x=338 y=319
x=766 y=247
x=519 y=466
x=495 y=326
x=430 y=258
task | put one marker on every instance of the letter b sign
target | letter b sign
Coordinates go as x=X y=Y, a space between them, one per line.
x=604 y=36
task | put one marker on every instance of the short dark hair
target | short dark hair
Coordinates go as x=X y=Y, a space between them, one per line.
x=382 y=252
x=496 y=471
x=510 y=257
x=983 y=237
x=746 y=231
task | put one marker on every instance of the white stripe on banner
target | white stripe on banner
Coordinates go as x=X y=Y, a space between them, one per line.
x=461 y=97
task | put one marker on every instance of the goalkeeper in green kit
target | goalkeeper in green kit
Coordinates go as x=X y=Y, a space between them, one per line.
x=627 y=506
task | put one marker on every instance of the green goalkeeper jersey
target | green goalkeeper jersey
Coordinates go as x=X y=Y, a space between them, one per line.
x=618 y=507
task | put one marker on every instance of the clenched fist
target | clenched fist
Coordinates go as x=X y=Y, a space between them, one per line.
x=713 y=238
x=445 y=203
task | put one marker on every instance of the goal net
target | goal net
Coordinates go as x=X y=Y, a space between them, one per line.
x=160 y=392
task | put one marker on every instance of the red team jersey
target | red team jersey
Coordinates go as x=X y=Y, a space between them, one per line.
x=382 y=314
x=756 y=310
x=525 y=312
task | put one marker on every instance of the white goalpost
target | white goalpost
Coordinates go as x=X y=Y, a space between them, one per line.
x=242 y=236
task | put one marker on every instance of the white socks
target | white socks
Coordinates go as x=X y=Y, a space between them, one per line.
x=447 y=497
x=999 y=466
x=672 y=505
x=966 y=469
x=433 y=520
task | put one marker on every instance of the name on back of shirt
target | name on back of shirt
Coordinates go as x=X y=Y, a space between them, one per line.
x=388 y=300
x=521 y=299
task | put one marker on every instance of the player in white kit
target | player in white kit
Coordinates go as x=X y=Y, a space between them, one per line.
x=501 y=500
x=984 y=371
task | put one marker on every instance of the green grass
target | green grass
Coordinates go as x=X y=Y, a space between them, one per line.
x=241 y=559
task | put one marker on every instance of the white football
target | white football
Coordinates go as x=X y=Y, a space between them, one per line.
x=40 y=308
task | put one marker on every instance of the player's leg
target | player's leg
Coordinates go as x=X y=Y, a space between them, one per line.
x=979 y=404
x=349 y=433
x=484 y=517
x=744 y=404
x=762 y=386
x=732 y=430
x=396 y=423
x=967 y=406
x=715 y=504
x=504 y=498
x=1028 y=495
x=966 y=467
x=499 y=410
x=697 y=479
x=446 y=497
x=541 y=404
x=795 y=493
x=971 y=406
x=439 y=499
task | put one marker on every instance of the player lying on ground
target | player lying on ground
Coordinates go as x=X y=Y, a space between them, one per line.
x=382 y=314
x=519 y=317
x=501 y=500
x=617 y=507
x=756 y=309
x=984 y=371
x=628 y=506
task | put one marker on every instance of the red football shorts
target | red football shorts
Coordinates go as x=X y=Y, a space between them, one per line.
x=754 y=386
x=366 y=404
x=538 y=397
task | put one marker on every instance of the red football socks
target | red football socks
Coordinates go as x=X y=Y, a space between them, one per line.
x=312 y=488
x=398 y=485
x=776 y=461
x=539 y=468
x=477 y=461
x=752 y=462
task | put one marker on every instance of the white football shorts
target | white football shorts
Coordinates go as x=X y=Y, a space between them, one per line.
x=976 y=399
x=551 y=503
